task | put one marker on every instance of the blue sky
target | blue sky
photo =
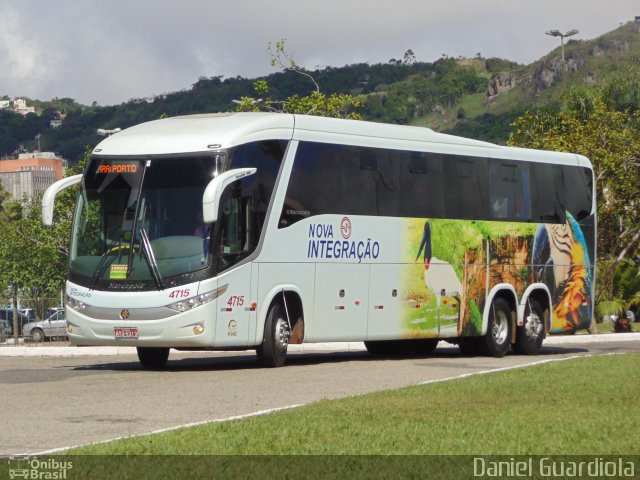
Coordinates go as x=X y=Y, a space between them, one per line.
x=115 y=50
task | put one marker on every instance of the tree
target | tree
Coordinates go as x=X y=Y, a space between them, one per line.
x=409 y=58
x=33 y=256
x=594 y=125
x=338 y=105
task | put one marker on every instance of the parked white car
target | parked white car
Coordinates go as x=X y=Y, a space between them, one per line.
x=53 y=327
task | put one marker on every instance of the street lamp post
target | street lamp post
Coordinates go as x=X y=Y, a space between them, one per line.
x=558 y=33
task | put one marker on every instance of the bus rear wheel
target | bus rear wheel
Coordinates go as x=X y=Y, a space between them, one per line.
x=153 y=358
x=498 y=338
x=530 y=335
x=273 y=351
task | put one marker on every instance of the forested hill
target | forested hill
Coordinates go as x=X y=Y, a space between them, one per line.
x=473 y=97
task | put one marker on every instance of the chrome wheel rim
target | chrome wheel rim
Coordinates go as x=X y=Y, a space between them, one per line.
x=282 y=334
x=500 y=327
x=533 y=327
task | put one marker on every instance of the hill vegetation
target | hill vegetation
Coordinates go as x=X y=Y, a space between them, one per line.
x=478 y=98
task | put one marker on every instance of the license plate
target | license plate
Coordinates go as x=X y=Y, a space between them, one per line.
x=125 y=332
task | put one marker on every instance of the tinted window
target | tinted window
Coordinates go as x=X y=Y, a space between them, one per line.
x=547 y=207
x=244 y=204
x=266 y=157
x=578 y=191
x=465 y=187
x=509 y=190
x=422 y=190
x=339 y=179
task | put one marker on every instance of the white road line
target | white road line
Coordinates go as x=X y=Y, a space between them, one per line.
x=515 y=367
x=289 y=407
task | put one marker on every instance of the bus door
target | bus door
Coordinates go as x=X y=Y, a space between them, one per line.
x=234 y=242
x=236 y=315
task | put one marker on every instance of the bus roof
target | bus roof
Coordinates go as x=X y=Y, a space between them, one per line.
x=207 y=132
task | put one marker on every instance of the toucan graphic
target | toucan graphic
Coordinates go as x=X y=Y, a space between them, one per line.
x=572 y=310
x=441 y=280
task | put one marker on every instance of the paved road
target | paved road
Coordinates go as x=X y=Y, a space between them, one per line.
x=68 y=401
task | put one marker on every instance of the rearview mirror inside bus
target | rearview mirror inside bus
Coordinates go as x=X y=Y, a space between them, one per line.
x=213 y=192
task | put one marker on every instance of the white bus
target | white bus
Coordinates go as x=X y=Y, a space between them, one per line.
x=256 y=231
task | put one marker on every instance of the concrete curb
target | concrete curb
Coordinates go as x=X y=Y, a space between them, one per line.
x=73 y=351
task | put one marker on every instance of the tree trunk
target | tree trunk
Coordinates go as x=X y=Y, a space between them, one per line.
x=16 y=320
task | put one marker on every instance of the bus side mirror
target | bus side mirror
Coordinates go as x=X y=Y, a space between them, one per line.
x=48 y=199
x=213 y=192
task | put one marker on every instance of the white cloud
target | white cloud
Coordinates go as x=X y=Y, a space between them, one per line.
x=116 y=50
x=23 y=54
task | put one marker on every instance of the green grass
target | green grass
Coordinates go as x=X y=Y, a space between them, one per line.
x=473 y=105
x=587 y=406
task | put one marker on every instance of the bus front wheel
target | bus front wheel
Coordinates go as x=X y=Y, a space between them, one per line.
x=153 y=358
x=273 y=351
x=498 y=338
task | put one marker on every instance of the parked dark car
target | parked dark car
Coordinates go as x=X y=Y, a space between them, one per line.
x=29 y=312
x=6 y=314
x=5 y=329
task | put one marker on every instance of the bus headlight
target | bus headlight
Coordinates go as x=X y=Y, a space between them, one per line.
x=74 y=303
x=198 y=300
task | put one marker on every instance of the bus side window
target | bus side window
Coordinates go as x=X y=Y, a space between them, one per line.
x=236 y=226
x=547 y=205
x=465 y=187
x=510 y=191
x=578 y=187
x=422 y=192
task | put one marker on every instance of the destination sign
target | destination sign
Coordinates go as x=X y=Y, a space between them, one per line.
x=129 y=167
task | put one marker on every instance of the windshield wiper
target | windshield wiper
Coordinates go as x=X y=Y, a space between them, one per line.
x=107 y=259
x=147 y=251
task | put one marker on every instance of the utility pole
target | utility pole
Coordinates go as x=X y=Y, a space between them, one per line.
x=558 y=33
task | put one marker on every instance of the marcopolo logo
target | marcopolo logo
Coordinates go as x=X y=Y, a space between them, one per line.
x=38 y=469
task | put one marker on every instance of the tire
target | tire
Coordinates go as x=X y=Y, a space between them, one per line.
x=153 y=358
x=497 y=341
x=273 y=351
x=529 y=337
x=37 y=335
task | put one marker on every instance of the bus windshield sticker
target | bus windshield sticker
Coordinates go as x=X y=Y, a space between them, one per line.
x=118 y=272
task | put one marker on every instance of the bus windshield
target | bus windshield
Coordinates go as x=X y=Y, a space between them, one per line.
x=141 y=220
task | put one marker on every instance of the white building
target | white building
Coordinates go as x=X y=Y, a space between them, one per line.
x=20 y=107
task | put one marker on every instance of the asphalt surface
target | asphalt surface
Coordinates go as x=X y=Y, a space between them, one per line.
x=60 y=396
